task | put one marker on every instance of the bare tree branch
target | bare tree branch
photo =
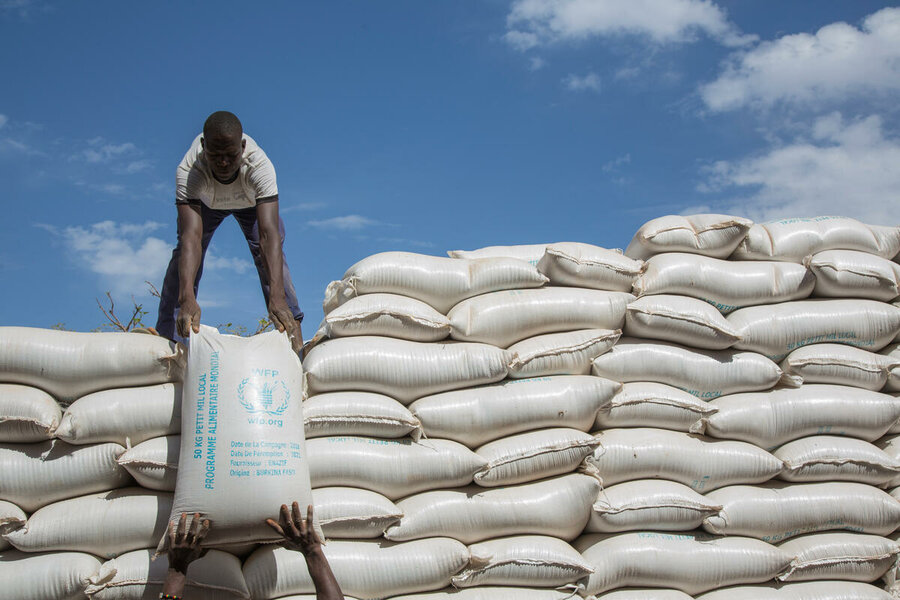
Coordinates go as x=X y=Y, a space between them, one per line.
x=111 y=313
x=153 y=291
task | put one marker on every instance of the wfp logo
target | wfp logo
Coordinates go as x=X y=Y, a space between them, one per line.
x=268 y=397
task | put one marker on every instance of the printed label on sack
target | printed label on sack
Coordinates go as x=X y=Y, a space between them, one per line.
x=262 y=399
x=722 y=307
x=849 y=338
x=264 y=396
x=837 y=524
x=704 y=394
x=206 y=424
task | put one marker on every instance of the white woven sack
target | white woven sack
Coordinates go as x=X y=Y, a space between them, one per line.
x=810 y=590
x=124 y=416
x=435 y=280
x=478 y=415
x=358 y=413
x=242 y=446
x=352 y=513
x=891 y=578
x=770 y=419
x=69 y=364
x=649 y=504
x=11 y=518
x=105 y=524
x=557 y=507
x=698 y=462
x=895 y=428
x=401 y=369
x=390 y=315
x=706 y=374
x=777 y=330
x=488 y=592
x=526 y=560
x=586 y=266
x=394 y=468
x=135 y=576
x=841 y=365
x=35 y=475
x=890 y=444
x=852 y=274
x=690 y=562
x=680 y=319
x=727 y=285
x=794 y=239
x=648 y=404
x=832 y=458
x=530 y=253
x=897 y=337
x=568 y=353
x=892 y=352
x=27 y=414
x=643 y=594
x=853 y=556
x=534 y=455
x=506 y=317
x=776 y=511
x=365 y=570
x=56 y=575
x=154 y=463
x=706 y=234
x=313 y=597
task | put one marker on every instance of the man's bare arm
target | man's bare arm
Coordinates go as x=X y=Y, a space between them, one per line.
x=184 y=548
x=190 y=233
x=270 y=245
x=299 y=535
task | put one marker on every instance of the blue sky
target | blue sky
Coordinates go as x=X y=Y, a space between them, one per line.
x=425 y=127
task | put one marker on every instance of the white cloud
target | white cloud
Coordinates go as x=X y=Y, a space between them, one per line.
x=628 y=73
x=839 y=61
x=302 y=207
x=11 y=146
x=531 y=23
x=537 y=63
x=614 y=164
x=22 y=7
x=220 y=263
x=521 y=40
x=839 y=168
x=3 y=120
x=101 y=152
x=589 y=82
x=405 y=242
x=137 y=166
x=346 y=223
x=124 y=255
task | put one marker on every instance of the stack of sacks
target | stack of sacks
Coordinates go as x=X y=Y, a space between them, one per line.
x=468 y=448
x=825 y=518
x=72 y=405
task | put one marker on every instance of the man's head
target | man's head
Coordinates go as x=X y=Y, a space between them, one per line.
x=223 y=145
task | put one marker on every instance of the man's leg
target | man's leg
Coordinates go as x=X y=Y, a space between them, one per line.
x=168 y=296
x=249 y=225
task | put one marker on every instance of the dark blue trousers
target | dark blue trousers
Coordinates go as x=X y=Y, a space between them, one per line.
x=212 y=218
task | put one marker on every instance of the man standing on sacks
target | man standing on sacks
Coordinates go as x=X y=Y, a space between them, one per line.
x=225 y=173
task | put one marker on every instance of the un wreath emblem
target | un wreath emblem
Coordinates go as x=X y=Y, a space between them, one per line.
x=261 y=397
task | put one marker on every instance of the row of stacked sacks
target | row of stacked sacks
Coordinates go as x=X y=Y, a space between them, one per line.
x=73 y=409
x=736 y=439
x=479 y=461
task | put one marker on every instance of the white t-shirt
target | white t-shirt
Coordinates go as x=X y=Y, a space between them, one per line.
x=255 y=180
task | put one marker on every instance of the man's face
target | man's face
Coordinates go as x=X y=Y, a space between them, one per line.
x=223 y=155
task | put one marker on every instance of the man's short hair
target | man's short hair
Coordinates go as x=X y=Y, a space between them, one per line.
x=222 y=124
